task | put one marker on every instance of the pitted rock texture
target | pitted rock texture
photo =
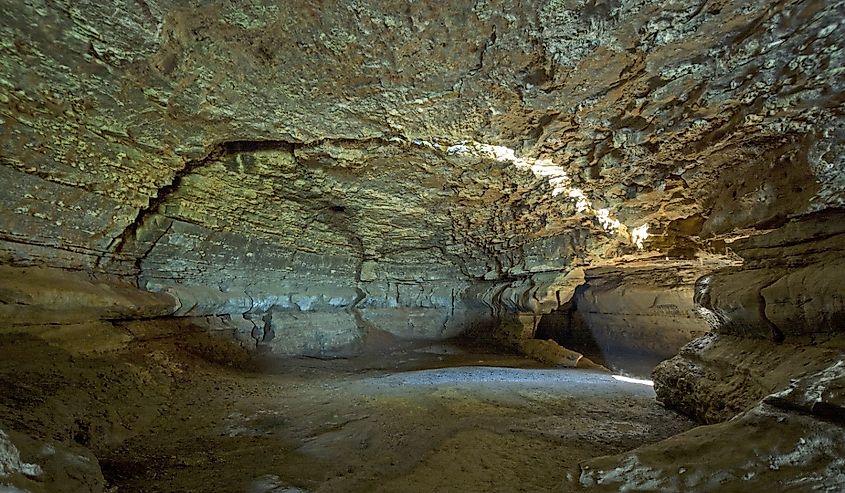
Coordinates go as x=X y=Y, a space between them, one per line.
x=172 y=139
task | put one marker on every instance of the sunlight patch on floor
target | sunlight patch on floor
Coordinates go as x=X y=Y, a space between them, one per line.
x=640 y=381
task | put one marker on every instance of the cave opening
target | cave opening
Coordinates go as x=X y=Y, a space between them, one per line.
x=606 y=339
x=394 y=246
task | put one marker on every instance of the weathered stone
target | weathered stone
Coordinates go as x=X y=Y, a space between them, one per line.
x=418 y=323
x=647 y=310
x=777 y=317
x=343 y=152
x=317 y=334
x=299 y=178
x=770 y=447
x=27 y=464
x=718 y=376
x=553 y=353
x=790 y=285
x=32 y=296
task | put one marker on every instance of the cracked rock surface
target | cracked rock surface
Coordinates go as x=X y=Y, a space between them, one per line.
x=174 y=140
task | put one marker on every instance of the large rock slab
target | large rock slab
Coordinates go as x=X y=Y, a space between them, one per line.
x=718 y=376
x=316 y=334
x=31 y=296
x=419 y=323
x=793 y=441
x=44 y=466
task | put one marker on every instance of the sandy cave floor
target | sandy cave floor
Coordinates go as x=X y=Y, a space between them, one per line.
x=166 y=415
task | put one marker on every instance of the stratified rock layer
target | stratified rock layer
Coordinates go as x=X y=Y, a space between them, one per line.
x=303 y=177
x=794 y=441
x=775 y=318
x=40 y=296
x=249 y=158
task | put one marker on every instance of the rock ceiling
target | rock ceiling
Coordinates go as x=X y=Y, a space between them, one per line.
x=400 y=141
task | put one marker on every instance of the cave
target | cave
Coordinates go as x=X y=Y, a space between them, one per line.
x=399 y=246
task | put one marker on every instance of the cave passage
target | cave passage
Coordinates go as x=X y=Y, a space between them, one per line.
x=414 y=246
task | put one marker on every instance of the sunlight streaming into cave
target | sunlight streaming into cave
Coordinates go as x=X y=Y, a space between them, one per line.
x=229 y=261
x=640 y=381
x=561 y=184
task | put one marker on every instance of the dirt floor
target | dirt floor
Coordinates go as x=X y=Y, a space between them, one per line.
x=193 y=413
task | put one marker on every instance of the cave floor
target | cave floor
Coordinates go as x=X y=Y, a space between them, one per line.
x=164 y=416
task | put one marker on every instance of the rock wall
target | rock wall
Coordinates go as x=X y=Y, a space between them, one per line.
x=775 y=318
x=230 y=154
x=424 y=169
x=42 y=296
x=630 y=318
x=334 y=229
x=789 y=285
x=304 y=176
x=793 y=440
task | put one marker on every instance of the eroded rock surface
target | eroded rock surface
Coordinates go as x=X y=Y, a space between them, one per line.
x=247 y=157
x=789 y=285
x=718 y=376
x=27 y=464
x=775 y=318
x=793 y=441
x=306 y=179
x=35 y=296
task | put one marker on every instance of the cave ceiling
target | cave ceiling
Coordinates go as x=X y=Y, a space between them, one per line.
x=481 y=137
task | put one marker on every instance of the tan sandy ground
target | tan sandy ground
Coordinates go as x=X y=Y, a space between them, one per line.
x=165 y=415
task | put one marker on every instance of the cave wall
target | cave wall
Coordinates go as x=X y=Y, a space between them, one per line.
x=768 y=378
x=777 y=317
x=421 y=169
x=789 y=285
x=302 y=176
x=630 y=317
x=383 y=236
